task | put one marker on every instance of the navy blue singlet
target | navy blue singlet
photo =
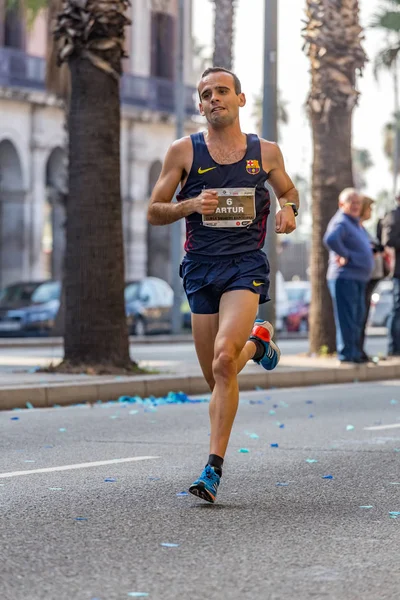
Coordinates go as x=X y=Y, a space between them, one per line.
x=247 y=173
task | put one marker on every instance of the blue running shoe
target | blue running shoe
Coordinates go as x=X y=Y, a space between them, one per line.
x=263 y=332
x=206 y=486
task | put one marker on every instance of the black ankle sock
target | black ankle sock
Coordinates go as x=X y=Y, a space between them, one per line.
x=260 y=349
x=216 y=461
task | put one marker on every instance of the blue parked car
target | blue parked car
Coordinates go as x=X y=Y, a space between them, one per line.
x=29 y=308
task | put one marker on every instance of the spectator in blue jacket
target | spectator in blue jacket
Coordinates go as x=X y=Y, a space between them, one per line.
x=350 y=267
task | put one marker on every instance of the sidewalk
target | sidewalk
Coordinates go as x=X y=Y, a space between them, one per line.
x=46 y=389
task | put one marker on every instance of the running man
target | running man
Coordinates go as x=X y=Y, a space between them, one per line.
x=222 y=173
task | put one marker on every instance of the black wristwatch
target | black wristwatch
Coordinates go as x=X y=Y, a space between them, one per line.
x=294 y=207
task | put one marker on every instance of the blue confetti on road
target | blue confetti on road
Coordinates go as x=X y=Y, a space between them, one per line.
x=29 y=405
x=80 y=519
x=274 y=445
x=282 y=484
x=138 y=594
x=168 y=545
x=367 y=506
x=14 y=418
x=327 y=476
x=310 y=461
x=244 y=450
x=182 y=494
x=349 y=427
x=110 y=480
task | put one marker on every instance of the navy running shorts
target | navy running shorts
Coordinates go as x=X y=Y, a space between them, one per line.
x=205 y=279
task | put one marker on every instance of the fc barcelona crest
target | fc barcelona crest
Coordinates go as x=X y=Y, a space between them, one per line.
x=252 y=167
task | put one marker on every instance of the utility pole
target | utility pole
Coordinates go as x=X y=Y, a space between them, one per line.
x=270 y=132
x=176 y=228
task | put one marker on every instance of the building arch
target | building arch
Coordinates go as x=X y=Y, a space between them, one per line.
x=12 y=215
x=53 y=238
x=158 y=238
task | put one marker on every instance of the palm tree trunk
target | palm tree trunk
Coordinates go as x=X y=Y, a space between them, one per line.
x=333 y=43
x=332 y=172
x=95 y=326
x=223 y=33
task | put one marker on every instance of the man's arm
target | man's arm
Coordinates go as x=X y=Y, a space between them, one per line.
x=334 y=240
x=162 y=211
x=282 y=185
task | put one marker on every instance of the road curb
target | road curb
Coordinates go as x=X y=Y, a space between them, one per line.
x=65 y=393
x=53 y=342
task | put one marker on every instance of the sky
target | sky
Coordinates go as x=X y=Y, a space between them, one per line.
x=375 y=104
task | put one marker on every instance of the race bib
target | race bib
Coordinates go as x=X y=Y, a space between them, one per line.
x=236 y=208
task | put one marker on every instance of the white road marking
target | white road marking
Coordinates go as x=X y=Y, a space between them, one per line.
x=380 y=427
x=87 y=465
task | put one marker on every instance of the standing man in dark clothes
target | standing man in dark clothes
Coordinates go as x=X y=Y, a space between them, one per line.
x=391 y=238
x=350 y=266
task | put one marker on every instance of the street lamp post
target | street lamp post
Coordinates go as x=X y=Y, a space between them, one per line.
x=176 y=228
x=270 y=132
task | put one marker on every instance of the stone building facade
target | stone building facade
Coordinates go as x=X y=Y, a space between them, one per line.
x=33 y=141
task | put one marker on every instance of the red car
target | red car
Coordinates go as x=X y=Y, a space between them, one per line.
x=299 y=297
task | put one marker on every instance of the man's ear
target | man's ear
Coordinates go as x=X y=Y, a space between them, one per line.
x=201 y=109
x=242 y=100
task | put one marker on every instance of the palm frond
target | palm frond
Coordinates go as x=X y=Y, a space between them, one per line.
x=386 y=59
x=389 y=20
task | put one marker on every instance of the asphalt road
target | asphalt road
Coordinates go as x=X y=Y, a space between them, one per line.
x=173 y=357
x=309 y=538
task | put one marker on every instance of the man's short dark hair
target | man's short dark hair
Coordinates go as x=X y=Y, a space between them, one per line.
x=236 y=80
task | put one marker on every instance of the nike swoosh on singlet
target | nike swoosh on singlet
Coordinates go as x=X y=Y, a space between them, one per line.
x=256 y=284
x=201 y=171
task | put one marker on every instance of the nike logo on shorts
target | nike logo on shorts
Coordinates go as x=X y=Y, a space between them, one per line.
x=201 y=171
x=257 y=283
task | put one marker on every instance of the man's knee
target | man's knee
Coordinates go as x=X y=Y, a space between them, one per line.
x=226 y=354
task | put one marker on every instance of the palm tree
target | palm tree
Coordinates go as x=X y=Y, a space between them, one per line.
x=223 y=33
x=388 y=19
x=90 y=39
x=332 y=37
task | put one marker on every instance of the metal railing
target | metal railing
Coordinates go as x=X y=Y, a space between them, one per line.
x=21 y=70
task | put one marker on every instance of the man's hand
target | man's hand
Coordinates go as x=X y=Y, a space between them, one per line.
x=342 y=261
x=206 y=203
x=285 y=220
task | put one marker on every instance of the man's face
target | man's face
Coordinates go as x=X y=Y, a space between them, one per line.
x=352 y=206
x=219 y=102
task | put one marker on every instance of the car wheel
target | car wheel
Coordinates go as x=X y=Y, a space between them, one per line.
x=303 y=326
x=140 y=327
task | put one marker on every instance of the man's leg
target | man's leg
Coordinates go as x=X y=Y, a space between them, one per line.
x=204 y=330
x=339 y=338
x=347 y=299
x=238 y=310
x=360 y=310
